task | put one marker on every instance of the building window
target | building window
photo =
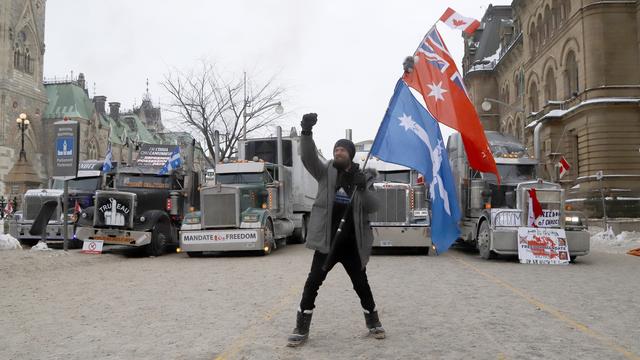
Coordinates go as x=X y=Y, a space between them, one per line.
x=571 y=75
x=566 y=9
x=533 y=97
x=555 y=9
x=550 y=86
x=548 y=21
x=92 y=150
x=533 y=39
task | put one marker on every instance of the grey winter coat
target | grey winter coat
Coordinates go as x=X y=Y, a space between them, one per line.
x=319 y=235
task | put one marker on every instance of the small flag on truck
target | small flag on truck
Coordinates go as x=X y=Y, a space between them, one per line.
x=564 y=167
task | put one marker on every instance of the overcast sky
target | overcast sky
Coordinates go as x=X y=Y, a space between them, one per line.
x=340 y=59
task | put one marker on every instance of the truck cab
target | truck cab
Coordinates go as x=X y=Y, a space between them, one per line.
x=493 y=212
x=145 y=207
x=82 y=189
x=403 y=219
x=255 y=203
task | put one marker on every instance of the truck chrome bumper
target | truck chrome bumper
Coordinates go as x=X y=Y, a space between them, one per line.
x=55 y=232
x=221 y=240
x=114 y=237
x=401 y=236
x=505 y=241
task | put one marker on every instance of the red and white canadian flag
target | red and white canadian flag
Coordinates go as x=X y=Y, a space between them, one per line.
x=77 y=209
x=455 y=20
x=535 y=209
x=9 y=208
x=564 y=167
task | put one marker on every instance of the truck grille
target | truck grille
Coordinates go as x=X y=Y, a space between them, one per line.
x=392 y=207
x=114 y=209
x=550 y=201
x=219 y=209
x=33 y=204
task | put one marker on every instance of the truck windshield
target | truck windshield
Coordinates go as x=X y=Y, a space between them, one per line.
x=394 y=176
x=144 y=181
x=243 y=178
x=84 y=184
x=512 y=172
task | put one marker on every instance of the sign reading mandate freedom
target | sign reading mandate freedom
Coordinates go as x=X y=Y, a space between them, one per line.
x=67 y=139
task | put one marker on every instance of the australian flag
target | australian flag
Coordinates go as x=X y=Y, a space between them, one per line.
x=409 y=135
x=108 y=158
x=174 y=162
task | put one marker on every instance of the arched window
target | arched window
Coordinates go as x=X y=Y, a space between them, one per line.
x=92 y=150
x=533 y=38
x=533 y=97
x=548 y=21
x=27 y=61
x=550 y=92
x=541 y=35
x=16 y=59
x=571 y=75
x=566 y=9
x=555 y=9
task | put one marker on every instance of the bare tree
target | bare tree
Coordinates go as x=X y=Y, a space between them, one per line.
x=205 y=103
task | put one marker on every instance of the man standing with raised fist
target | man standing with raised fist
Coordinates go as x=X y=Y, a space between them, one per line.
x=344 y=196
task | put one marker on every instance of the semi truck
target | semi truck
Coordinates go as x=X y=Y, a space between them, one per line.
x=492 y=212
x=145 y=207
x=403 y=218
x=255 y=203
x=90 y=178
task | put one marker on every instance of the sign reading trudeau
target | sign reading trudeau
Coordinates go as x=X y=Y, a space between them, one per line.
x=542 y=246
x=92 y=247
x=67 y=138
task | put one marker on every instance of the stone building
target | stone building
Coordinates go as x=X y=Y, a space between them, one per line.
x=21 y=91
x=565 y=73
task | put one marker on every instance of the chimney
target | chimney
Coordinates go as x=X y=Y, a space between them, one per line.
x=81 y=82
x=114 y=110
x=99 y=101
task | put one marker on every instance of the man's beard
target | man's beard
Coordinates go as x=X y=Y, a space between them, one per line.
x=341 y=164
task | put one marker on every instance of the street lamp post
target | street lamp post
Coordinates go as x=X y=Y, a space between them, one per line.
x=23 y=125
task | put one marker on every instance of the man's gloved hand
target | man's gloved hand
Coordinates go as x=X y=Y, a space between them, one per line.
x=308 y=120
x=360 y=180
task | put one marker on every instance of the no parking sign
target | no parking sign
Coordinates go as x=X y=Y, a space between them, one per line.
x=92 y=247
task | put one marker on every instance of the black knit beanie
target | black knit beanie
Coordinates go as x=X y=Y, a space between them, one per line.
x=348 y=145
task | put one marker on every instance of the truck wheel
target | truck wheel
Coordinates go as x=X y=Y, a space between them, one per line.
x=300 y=234
x=484 y=240
x=158 y=242
x=268 y=238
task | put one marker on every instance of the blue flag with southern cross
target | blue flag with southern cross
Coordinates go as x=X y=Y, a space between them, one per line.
x=108 y=158
x=409 y=135
x=174 y=162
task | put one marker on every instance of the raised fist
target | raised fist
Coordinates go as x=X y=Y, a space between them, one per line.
x=308 y=121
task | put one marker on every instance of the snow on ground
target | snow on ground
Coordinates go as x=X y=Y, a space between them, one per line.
x=8 y=242
x=608 y=241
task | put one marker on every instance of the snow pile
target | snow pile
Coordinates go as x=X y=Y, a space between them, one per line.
x=40 y=246
x=8 y=242
x=608 y=241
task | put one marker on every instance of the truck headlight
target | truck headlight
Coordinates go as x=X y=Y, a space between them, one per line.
x=250 y=218
x=572 y=220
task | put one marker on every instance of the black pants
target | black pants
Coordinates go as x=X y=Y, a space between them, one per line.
x=350 y=259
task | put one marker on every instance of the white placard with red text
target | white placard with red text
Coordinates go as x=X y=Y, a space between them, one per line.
x=542 y=246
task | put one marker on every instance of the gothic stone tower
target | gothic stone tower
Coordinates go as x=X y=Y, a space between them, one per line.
x=21 y=89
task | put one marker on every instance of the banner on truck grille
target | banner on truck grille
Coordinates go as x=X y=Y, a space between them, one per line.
x=218 y=236
x=542 y=246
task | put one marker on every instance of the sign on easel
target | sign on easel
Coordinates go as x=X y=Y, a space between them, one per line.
x=542 y=246
x=92 y=247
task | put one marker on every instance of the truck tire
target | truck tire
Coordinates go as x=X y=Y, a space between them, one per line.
x=300 y=234
x=484 y=241
x=158 y=242
x=269 y=240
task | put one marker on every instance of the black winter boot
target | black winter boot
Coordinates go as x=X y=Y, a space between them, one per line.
x=374 y=325
x=301 y=332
